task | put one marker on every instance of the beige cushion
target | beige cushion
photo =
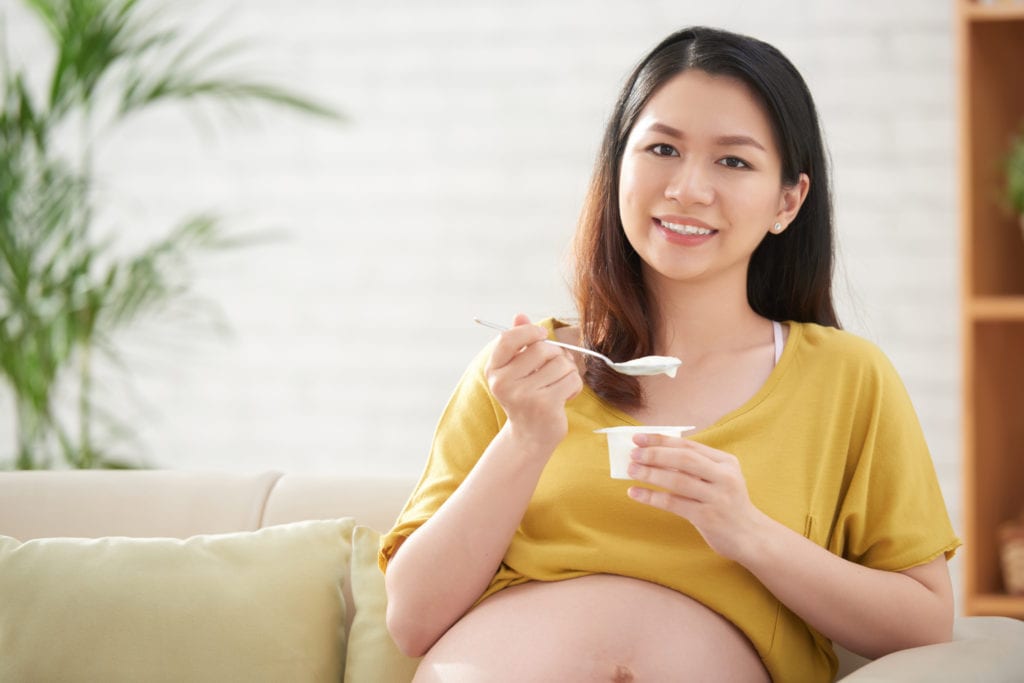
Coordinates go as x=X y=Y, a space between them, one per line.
x=248 y=606
x=372 y=654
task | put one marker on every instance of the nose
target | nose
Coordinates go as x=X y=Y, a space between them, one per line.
x=690 y=184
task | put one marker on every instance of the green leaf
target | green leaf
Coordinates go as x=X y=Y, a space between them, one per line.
x=1015 y=174
x=64 y=293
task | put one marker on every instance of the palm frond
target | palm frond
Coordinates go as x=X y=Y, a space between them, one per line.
x=154 y=276
x=63 y=292
x=238 y=91
x=91 y=36
x=48 y=12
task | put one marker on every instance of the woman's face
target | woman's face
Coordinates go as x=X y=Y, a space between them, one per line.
x=700 y=181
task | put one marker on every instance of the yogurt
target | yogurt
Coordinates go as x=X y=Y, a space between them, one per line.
x=650 y=365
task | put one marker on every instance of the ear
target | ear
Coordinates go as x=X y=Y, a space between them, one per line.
x=791 y=199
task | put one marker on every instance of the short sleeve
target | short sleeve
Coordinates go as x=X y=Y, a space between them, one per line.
x=470 y=421
x=892 y=515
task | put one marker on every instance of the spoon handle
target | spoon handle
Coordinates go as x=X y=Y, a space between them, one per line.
x=493 y=326
x=595 y=354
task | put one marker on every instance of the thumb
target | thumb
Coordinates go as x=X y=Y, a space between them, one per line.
x=521 y=319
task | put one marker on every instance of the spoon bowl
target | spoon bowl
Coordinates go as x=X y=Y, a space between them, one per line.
x=638 y=367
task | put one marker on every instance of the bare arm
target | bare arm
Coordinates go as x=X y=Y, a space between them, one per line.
x=441 y=569
x=868 y=611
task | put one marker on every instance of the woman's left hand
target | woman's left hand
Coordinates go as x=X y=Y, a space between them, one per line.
x=703 y=485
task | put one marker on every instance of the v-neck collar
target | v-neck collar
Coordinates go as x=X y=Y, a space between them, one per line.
x=796 y=331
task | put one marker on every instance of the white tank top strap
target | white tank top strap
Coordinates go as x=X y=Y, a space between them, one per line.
x=777 y=331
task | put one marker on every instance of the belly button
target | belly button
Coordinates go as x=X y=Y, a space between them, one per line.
x=623 y=674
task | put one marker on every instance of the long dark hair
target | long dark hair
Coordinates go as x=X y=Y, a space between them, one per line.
x=790 y=274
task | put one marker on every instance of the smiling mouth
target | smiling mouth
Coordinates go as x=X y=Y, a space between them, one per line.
x=684 y=229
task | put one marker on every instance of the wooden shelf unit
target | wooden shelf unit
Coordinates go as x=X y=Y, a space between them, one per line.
x=990 y=41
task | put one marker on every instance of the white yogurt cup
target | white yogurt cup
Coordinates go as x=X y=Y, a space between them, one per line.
x=620 y=444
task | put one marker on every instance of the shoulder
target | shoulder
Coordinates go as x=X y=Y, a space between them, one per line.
x=831 y=340
x=840 y=350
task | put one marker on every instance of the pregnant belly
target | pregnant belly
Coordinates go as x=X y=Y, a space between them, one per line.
x=594 y=628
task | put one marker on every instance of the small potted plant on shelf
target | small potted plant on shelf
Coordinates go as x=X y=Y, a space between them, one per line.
x=1015 y=177
x=1011 y=550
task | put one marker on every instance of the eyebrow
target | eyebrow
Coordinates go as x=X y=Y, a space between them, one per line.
x=725 y=140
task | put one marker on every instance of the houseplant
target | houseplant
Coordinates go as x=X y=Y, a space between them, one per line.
x=1015 y=177
x=65 y=291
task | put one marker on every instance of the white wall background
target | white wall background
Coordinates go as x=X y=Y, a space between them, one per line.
x=453 y=192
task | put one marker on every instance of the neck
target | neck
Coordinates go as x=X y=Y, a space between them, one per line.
x=697 y=320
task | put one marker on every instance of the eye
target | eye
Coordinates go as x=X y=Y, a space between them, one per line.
x=662 y=150
x=733 y=162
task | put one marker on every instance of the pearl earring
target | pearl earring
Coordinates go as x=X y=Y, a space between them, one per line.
x=777 y=228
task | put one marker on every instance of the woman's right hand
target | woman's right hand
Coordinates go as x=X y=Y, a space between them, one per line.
x=532 y=381
x=443 y=568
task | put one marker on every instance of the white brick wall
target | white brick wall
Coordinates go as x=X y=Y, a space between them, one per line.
x=453 y=192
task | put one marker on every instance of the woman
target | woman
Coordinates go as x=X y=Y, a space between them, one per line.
x=803 y=509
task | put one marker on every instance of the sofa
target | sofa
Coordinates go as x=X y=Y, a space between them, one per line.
x=163 y=575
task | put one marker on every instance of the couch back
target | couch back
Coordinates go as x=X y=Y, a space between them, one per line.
x=178 y=504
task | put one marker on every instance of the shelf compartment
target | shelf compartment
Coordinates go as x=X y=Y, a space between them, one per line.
x=994 y=432
x=992 y=108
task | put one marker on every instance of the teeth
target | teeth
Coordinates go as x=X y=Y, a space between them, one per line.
x=686 y=229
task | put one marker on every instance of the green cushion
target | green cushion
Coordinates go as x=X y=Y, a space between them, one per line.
x=249 y=606
x=372 y=654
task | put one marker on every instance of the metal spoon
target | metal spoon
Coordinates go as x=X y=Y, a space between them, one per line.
x=647 y=365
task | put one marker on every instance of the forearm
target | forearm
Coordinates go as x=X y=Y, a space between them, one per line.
x=868 y=611
x=441 y=569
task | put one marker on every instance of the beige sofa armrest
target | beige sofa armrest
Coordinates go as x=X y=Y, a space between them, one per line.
x=984 y=649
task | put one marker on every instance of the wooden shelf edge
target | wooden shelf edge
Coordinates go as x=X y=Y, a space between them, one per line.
x=998 y=11
x=992 y=302
x=1010 y=308
x=995 y=604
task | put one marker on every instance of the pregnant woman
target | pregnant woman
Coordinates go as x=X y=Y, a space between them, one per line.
x=802 y=510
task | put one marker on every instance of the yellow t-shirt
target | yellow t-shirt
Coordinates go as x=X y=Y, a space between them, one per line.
x=830 y=446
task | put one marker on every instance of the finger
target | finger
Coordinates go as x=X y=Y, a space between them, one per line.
x=531 y=359
x=681 y=459
x=560 y=374
x=681 y=442
x=678 y=483
x=512 y=341
x=538 y=368
x=521 y=373
x=572 y=384
x=663 y=500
